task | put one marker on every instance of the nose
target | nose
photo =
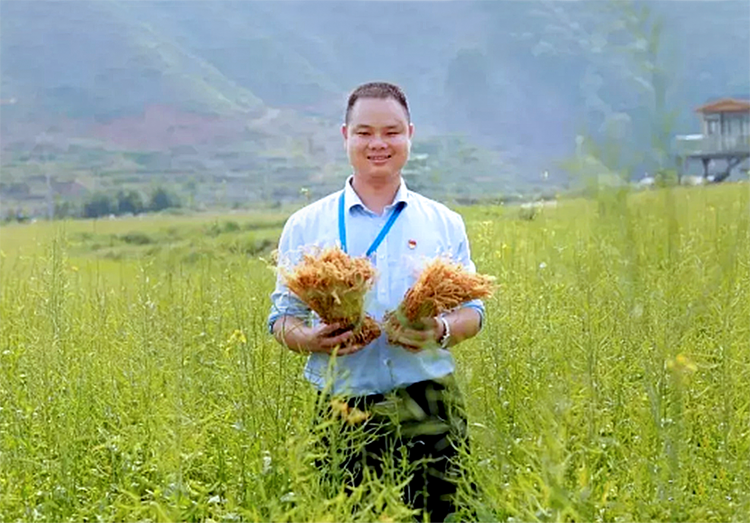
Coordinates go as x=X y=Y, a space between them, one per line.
x=377 y=142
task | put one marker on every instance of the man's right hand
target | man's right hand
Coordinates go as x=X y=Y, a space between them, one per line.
x=329 y=339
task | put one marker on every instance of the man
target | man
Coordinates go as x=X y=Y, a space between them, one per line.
x=376 y=215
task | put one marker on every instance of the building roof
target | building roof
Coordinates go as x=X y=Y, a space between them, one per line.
x=725 y=105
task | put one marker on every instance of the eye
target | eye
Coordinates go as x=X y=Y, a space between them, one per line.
x=363 y=133
x=393 y=133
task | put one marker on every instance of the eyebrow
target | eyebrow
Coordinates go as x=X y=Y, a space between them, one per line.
x=365 y=126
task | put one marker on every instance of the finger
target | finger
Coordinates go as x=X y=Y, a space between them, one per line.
x=422 y=336
x=329 y=343
x=407 y=343
x=416 y=343
x=344 y=349
x=401 y=339
x=412 y=348
x=326 y=330
x=416 y=337
x=349 y=349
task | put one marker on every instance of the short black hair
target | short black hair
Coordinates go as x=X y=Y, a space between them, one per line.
x=381 y=90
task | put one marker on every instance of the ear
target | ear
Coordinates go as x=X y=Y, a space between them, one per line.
x=344 y=131
x=411 y=130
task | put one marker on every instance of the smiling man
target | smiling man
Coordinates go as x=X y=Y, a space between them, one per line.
x=376 y=215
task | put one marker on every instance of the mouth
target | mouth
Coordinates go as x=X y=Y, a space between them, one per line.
x=378 y=158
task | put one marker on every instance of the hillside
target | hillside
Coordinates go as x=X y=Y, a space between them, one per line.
x=233 y=56
x=93 y=59
x=199 y=82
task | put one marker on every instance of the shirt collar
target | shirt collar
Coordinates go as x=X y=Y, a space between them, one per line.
x=352 y=199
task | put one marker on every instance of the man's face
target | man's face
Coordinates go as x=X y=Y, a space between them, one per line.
x=377 y=137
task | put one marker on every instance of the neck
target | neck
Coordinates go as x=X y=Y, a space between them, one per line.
x=376 y=194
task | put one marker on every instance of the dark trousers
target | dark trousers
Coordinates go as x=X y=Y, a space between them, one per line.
x=423 y=424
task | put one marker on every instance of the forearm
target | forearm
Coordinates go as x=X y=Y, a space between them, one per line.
x=464 y=323
x=292 y=332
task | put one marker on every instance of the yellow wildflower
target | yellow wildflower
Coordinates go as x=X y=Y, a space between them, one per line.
x=356 y=416
x=339 y=407
x=238 y=337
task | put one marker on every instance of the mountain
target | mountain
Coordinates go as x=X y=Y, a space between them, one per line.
x=95 y=59
x=518 y=80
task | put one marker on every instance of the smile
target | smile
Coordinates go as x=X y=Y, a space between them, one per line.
x=379 y=157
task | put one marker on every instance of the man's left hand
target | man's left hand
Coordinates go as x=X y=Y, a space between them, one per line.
x=422 y=334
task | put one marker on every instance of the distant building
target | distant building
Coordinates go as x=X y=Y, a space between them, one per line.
x=725 y=136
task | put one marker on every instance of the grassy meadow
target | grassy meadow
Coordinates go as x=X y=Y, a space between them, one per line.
x=610 y=383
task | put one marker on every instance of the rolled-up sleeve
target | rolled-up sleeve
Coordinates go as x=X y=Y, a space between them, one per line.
x=463 y=256
x=283 y=301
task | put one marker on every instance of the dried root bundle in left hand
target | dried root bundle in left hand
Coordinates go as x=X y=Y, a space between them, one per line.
x=441 y=286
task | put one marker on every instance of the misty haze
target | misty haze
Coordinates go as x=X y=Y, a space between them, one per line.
x=238 y=104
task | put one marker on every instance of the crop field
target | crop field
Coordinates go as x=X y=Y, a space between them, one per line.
x=610 y=383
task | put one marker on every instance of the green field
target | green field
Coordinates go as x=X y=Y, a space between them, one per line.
x=138 y=381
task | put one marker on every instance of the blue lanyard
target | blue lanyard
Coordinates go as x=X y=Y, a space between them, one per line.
x=376 y=243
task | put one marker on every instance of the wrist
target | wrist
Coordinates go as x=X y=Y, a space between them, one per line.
x=444 y=336
x=293 y=333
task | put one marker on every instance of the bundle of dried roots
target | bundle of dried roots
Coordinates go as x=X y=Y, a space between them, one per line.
x=441 y=286
x=334 y=285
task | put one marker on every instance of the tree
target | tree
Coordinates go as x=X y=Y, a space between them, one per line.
x=129 y=202
x=99 y=204
x=162 y=199
x=64 y=209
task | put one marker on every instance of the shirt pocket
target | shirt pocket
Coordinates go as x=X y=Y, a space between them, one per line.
x=410 y=259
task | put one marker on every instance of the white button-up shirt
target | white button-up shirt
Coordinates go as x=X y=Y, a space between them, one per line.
x=425 y=229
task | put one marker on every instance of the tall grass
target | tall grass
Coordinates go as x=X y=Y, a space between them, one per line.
x=609 y=382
